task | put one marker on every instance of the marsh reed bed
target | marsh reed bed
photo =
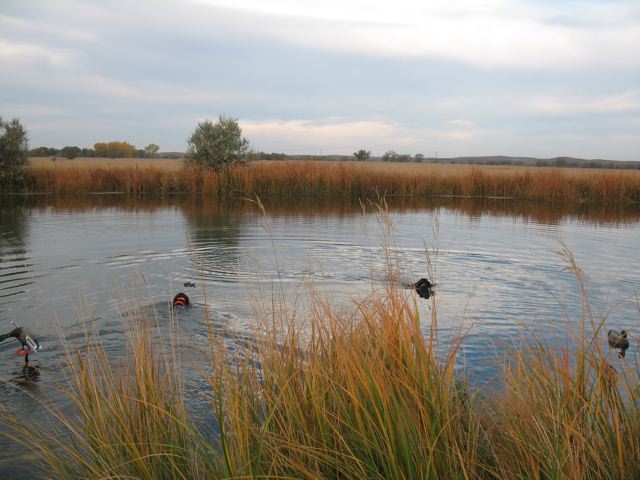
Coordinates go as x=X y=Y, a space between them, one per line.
x=365 y=394
x=341 y=180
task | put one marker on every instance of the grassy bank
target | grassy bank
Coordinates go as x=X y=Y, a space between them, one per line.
x=336 y=180
x=360 y=395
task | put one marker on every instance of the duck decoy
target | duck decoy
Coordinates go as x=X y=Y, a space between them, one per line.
x=423 y=287
x=189 y=284
x=26 y=338
x=618 y=340
x=180 y=300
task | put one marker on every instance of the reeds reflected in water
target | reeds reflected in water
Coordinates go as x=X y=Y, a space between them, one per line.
x=548 y=213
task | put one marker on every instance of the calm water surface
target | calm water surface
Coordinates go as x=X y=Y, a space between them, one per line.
x=63 y=262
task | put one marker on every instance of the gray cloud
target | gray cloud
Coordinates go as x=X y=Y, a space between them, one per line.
x=81 y=72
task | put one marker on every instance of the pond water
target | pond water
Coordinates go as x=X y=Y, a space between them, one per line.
x=64 y=261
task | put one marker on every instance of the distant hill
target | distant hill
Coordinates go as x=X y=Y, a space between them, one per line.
x=539 y=162
x=170 y=155
x=486 y=160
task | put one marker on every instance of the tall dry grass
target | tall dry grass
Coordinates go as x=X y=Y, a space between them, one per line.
x=164 y=164
x=568 y=413
x=364 y=399
x=349 y=398
x=345 y=180
x=355 y=395
x=129 y=417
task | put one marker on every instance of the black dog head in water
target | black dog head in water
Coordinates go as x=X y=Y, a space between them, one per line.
x=180 y=300
x=424 y=288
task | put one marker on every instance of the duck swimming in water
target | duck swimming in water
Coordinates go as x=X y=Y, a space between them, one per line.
x=180 y=300
x=26 y=338
x=618 y=340
x=189 y=284
x=423 y=287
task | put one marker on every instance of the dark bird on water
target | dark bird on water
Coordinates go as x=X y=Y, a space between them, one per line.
x=189 y=284
x=180 y=300
x=26 y=338
x=618 y=340
x=423 y=287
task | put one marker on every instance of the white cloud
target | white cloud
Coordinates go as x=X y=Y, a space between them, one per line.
x=573 y=105
x=334 y=136
x=39 y=28
x=33 y=110
x=460 y=123
x=505 y=33
x=312 y=137
x=34 y=53
x=462 y=135
x=344 y=137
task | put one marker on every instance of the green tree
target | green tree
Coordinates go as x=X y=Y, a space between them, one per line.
x=70 y=152
x=390 y=156
x=14 y=151
x=418 y=157
x=362 y=155
x=38 y=152
x=151 y=149
x=217 y=145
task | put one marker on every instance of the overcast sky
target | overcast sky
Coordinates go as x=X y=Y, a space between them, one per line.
x=461 y=77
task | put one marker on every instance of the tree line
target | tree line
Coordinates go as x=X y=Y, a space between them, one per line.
x=212 y=144
x=392 y=156
x=219 y=144
x=100 y=150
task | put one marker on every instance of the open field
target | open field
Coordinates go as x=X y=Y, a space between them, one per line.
x=333 y=180
x=410 y=168
x=162 y=164
x=360 y=395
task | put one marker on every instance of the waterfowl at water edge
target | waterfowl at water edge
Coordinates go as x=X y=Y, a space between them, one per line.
x=27 y=339
x=618 y=340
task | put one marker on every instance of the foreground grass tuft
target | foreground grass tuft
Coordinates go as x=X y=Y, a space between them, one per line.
x=568 y=413
x=357 y=399
x=129 y=418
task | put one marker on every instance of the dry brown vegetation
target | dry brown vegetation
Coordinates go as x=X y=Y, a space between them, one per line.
x=335 y=180
x=163 y=164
